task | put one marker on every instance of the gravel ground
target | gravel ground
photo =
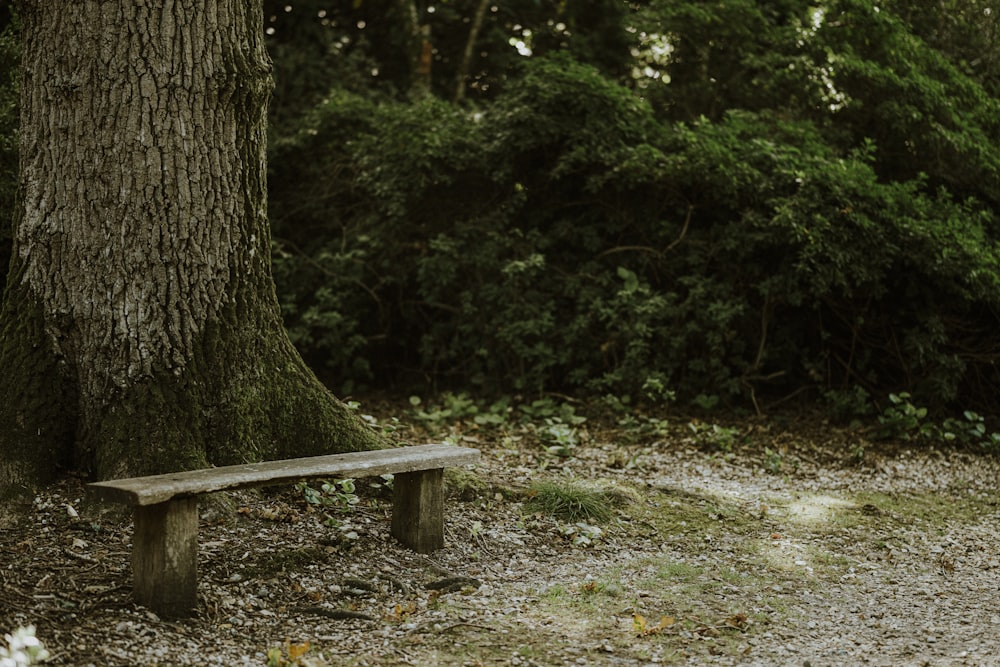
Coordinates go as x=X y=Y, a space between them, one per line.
x=779 y=550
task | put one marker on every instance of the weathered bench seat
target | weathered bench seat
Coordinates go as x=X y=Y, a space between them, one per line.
x=165 y=543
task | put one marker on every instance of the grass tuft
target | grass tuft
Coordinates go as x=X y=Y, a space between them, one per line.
x=570 y=501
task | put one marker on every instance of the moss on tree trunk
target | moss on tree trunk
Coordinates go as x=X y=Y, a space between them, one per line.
x=140 y=328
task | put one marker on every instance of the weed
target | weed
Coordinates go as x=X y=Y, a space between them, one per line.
x=706 y=402
x=773 y=461
x=453 y=407
x=720 y=437
x=848 y=403
x=903 y=419
x=570 y=501
x=338 y=495
x=582 y=534
x=970 y=430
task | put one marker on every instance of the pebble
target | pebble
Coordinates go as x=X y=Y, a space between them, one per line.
x=888 y=605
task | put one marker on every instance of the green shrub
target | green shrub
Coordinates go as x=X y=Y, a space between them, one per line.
x=581 y=233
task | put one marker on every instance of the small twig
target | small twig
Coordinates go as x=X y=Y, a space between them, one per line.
x=84 y=557
x=653 y=251
x=451 y=584
x=468 y=625
x=629 y=248
x=789 y=397
x=429 y=626
x=434 y=567
x=684 y=229
x=339 y=614
x=352 y=583
x=402 y=587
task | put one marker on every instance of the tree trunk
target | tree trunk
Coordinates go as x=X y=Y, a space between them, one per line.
x=465 y=65
x=140 y=328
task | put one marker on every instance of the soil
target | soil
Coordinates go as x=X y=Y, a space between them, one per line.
x=753 y=542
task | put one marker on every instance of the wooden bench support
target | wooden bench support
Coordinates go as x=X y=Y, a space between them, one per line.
x=418 y=509
x=165 y=545
x=165 y=557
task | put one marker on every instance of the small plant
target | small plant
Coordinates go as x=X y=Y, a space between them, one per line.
x=773 y=461
x=706 y=402
x=656 y=391
x=903 y=419
x=338 y=495
x=582 y=534
x=644 y=427
x=848 y=403
x=570 y=501
x=970 y=431
x=23 y=648
x=721 y=437
x=452 y=408
x=555 y=424
x=560 y=438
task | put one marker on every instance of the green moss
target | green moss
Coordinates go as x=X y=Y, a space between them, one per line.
x=243 y=398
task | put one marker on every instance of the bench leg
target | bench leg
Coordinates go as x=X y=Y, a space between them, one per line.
x=418 y=509
x=165 y=557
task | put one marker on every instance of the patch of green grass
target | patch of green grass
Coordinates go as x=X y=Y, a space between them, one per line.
x=570 y=501
x=679 y=572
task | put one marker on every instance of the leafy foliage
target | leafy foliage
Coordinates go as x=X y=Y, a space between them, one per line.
x=715 y=203
x=568 y=236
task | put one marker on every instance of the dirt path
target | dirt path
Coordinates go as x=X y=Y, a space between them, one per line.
x=772 y=548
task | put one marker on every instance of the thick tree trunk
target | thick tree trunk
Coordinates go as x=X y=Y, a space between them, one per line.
x=140 y=329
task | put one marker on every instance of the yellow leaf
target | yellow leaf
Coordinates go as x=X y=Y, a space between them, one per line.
x=296 y=651
x=639 y=623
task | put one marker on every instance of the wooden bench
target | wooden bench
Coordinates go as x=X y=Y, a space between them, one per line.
x=165 y=543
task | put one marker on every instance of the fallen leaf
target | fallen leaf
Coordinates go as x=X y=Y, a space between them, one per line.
x=296 y=651
x=738 y=621
x=643 y=630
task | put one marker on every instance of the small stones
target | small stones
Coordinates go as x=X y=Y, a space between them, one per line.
x=876 y=586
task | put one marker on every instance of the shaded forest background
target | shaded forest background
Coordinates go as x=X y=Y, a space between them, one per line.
x=720 y=203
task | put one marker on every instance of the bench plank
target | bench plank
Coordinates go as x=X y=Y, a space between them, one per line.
x=156 y=489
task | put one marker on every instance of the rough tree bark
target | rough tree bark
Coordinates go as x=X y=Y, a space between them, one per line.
x=140 y=331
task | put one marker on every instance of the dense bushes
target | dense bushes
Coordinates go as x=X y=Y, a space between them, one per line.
x=566 y=238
